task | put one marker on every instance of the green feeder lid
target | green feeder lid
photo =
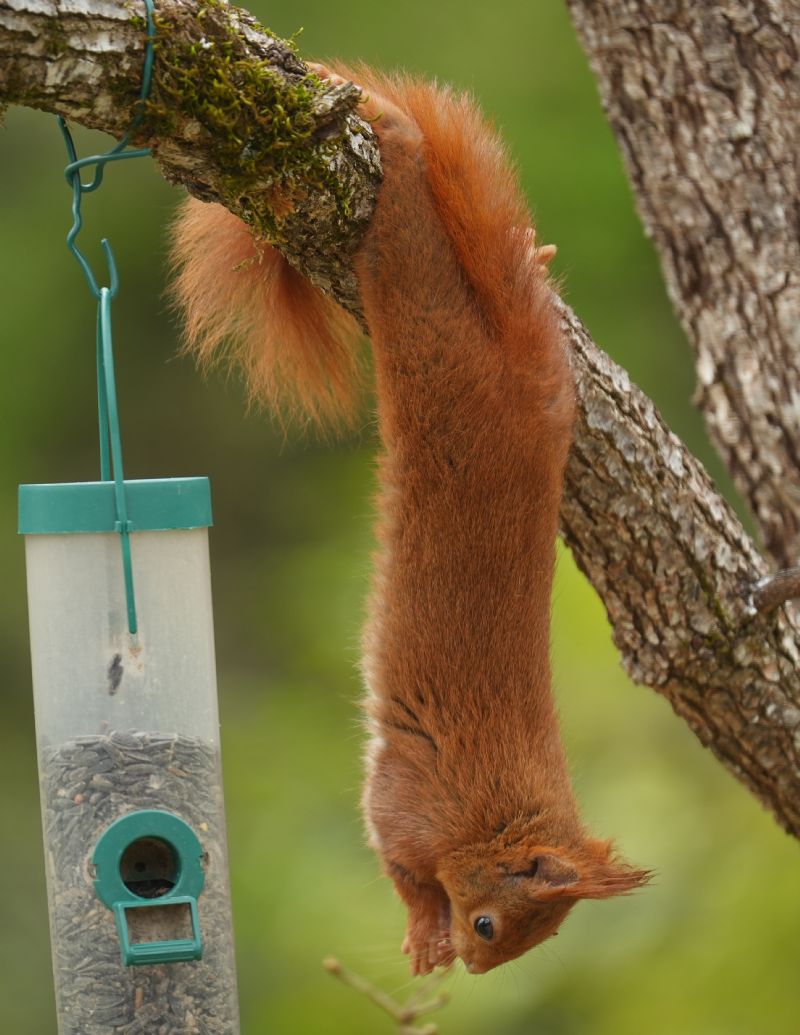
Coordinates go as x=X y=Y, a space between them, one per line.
x=153 y=505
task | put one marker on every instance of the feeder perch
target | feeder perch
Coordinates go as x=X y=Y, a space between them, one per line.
x=152 y=856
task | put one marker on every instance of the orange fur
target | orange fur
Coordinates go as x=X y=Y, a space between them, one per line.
x=240 y=296
x=467 y=799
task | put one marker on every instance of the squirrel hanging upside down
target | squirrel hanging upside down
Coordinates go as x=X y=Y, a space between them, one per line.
x=467 y=800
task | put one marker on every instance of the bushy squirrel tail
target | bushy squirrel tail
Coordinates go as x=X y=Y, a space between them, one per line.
x=243 y=301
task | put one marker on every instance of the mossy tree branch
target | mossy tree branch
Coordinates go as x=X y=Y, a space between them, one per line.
x=235 y=117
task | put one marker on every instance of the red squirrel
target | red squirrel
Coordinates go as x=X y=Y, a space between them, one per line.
x=467 y=799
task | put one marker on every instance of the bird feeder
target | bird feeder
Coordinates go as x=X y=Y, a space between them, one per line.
x=127 y=731
x=128 y=744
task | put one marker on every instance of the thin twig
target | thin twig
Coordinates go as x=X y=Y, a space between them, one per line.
x=405 y=1015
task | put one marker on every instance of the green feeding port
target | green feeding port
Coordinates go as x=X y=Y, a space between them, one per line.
x=149 y=872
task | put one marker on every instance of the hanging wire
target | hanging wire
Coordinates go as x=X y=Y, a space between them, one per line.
x=110 y=439
x=115 y=154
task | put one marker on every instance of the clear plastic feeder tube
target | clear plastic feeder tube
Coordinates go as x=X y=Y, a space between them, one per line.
x=128 y=743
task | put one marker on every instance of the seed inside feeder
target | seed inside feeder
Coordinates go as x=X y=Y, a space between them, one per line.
x=87 y=784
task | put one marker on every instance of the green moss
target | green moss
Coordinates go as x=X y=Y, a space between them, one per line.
x=57 y=42
x=254 y=124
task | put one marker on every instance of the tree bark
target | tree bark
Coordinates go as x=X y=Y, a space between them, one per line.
x=674 y=569
x=665 y=552
x=703 y=99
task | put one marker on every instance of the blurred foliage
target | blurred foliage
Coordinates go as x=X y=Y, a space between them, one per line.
x=713 y=946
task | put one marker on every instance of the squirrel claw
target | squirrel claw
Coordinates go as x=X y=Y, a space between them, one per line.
x=324 y=73
x=545 y=254
x=540 y=255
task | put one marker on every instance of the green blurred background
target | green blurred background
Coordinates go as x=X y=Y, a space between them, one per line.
x=713 y=946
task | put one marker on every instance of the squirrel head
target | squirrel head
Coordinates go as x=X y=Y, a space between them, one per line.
x=507 y=896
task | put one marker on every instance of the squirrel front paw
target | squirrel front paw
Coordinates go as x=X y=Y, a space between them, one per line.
x=427 y=940
x=427 y=952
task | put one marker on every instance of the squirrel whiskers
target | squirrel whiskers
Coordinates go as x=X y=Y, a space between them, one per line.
x=467 y=798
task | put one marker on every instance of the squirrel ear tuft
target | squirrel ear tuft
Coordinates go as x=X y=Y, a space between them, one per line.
x=603 y=874
x=589 y=871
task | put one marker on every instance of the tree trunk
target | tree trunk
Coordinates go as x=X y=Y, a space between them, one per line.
x=703 y=99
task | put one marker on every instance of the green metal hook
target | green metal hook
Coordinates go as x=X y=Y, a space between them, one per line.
x=110 y=439
x=117 y=153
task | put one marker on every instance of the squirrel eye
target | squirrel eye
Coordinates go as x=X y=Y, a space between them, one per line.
x=484 y=927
